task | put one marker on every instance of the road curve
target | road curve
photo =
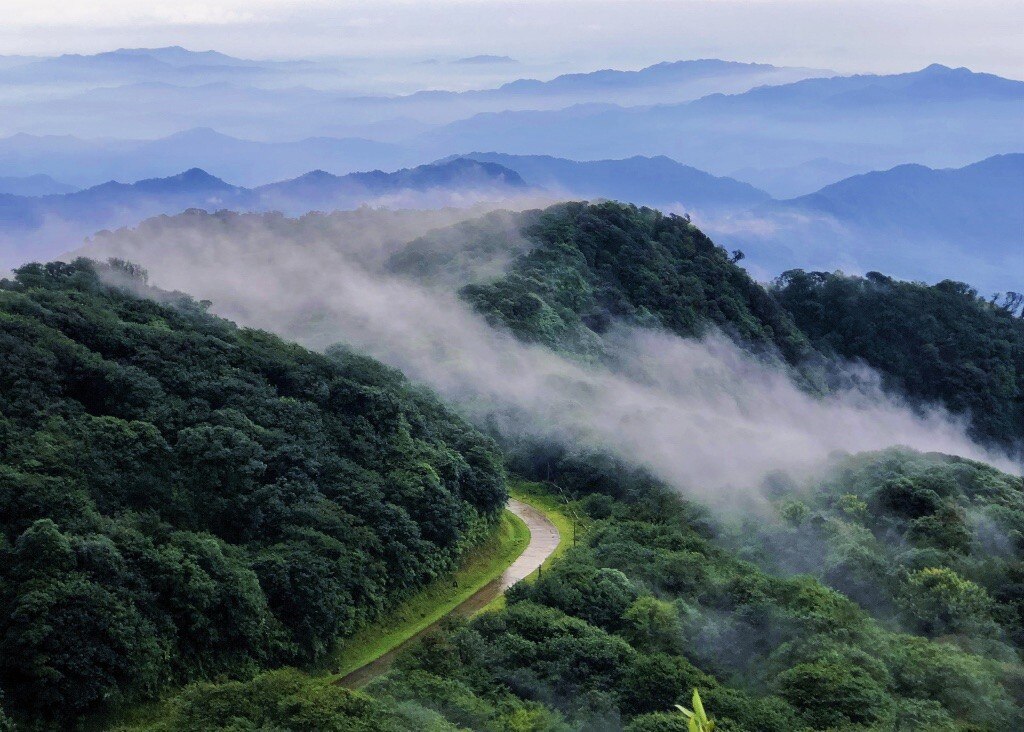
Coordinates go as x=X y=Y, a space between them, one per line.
x=544 y=540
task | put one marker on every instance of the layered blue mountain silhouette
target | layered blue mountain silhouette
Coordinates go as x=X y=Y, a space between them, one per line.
x=937 y=116
x=130 y=64
x=910 y=221
x=247 y=162
x=42 y=226
x=33 y=185
x=156 y=92
x=913 y=221
x=655 y=181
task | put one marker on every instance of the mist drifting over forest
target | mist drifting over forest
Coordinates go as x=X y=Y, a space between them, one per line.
x=564 y=366
x=705 y=415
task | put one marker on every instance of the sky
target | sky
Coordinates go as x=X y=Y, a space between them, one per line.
x=845 y=35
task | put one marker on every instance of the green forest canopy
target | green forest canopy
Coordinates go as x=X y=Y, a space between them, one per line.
x=941 y=343
x=652 y=602
x=914 y=621
x=181 y=498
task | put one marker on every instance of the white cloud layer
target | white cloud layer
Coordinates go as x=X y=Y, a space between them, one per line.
x=703 y=415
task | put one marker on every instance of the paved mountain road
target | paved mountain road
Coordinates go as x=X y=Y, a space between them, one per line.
x=544 y=540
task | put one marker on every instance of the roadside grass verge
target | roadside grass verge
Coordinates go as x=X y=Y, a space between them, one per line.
x=481 y=565
x=570 y=524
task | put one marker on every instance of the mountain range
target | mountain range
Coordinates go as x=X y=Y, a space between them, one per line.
x=937 y=116
x=912 y=221
x=43 y=226
x=153 y=98
x=33 y=185
x=250 y=163
x=655 y=181
x=789 y=139
x=125 y=65
x=917 y=222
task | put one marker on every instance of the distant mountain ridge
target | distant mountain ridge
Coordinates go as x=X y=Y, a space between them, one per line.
x=913 y=221
x=248 y=162
x=128 y=65
x=981 y=205
x=33 y=185
x=667 y=77
x=178 y=56
x=114 y=94
x=665 y=72
x=125 y=64
x=39 y=227
x=654 y=181
x=932 y=83
x=938 y=116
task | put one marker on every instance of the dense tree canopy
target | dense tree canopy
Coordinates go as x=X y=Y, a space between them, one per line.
x=593 y=264
x=179 y=497
x=181 y=500
x=930 y=542
x=941 y=343
x=653 y=603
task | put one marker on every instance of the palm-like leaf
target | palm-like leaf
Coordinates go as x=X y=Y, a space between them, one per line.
x=697 y=719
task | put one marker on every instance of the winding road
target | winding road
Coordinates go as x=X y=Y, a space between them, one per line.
x=544 y=540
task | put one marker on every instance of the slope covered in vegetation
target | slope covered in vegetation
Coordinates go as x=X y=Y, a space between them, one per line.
x=649 y=606
x=910 y=620
x=927 y=541
x=594 y=264
x=913 y=623
x=646 y=607
x=941 y=343
x=181 y=498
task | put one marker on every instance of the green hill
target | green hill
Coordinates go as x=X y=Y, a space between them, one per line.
x=939 y=343
x=594 y=264
x=180 y=498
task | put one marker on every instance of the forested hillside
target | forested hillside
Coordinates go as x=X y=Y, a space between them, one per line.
x=594 y=264
x=931 y=542
x=884 y=594
x=650 y=606
x=651 y=603
x=941 y=343
x=213 y=504
x=180 y=498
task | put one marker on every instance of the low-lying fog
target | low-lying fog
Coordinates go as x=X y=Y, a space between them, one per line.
x=703 y=415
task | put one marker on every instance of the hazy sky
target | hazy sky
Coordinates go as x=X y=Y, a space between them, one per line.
x=847 y=35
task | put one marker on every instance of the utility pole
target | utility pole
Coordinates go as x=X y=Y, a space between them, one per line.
x=565 y=499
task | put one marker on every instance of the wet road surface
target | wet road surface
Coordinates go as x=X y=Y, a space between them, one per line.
x=543 y=542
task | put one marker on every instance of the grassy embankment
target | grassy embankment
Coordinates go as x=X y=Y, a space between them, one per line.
x=483 y=564
x=569 y=523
